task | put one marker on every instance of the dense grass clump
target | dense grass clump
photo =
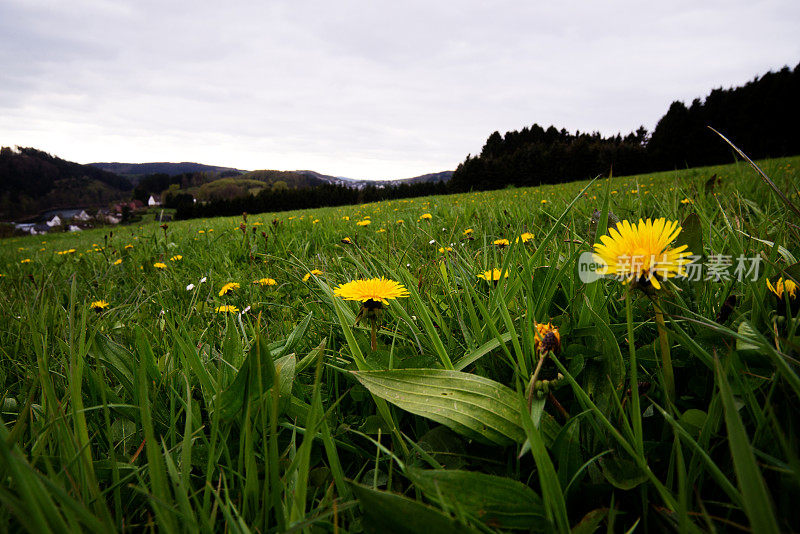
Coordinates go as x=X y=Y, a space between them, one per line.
x=203 y=376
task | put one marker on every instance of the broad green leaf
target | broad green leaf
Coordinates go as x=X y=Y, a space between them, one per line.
x=746 y=330
x=388 y=513
x=621 y=473
x=445 y=447
x=471 y=405
x=497 y=501
x=590 y=521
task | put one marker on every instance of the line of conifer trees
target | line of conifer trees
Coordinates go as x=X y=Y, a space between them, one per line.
x=761 y=118
x=271 y=200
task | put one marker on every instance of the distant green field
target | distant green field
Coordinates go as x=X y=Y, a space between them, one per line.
x=162 y=411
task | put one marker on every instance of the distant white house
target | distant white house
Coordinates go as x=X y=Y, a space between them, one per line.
x=154 y=200
x=82 y=216
x=55 y=221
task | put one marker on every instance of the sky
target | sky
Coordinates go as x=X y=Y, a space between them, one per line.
x=368 y=89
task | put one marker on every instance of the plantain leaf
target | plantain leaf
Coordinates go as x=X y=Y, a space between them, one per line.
x=471 y=405
x=590 y=521
x=497 y=501
x=387 y=513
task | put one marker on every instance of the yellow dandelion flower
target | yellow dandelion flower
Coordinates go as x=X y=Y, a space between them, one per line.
x=226 y=309
x=501 y=242
x=365 y=222
x=442 y=250
x=99 y=305
x=227 y=288
x=201 y=231
x=380 y=230
x=65 y=252
x=544 y=201
x=468 y=231
x=118 y=261
x=159 y=265
x=687 y=201
x=266 y=282
x=128 y=246
x=642 y=253
x=315 y=272
x=782 y=287
x=26 y=260
x=525 y=237
x=400 y=221
x=315 y=221
x=347 y=241
x=176 y=257
x=374 y=291
x=492 y=276
x=345 y=218
x=425 y=217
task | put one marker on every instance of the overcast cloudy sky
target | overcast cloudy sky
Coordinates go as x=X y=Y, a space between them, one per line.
x=361 y=89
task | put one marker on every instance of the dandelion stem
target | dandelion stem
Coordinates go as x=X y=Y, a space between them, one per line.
x=666 y=358
x=636 y=415
x=532 y=383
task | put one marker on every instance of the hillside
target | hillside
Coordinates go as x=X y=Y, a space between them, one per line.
x=135 y=171
x=32 y=181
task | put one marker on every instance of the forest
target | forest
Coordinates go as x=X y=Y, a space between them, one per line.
x=760 y=117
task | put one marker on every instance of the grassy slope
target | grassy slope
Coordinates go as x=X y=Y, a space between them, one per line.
x=133 y=416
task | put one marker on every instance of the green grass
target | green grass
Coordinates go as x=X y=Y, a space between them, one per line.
x=158 y=413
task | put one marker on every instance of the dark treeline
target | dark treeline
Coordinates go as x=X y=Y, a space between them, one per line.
x=760 y=117
x=271 y=200
x=34 y=172
x=32 y=181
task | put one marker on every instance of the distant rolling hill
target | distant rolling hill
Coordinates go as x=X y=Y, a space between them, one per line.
x=253 y=182
x=134 y=171
x=293 y=179
x=33 y=181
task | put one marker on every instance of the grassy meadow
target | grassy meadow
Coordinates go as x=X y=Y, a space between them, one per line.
x=668 y=410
